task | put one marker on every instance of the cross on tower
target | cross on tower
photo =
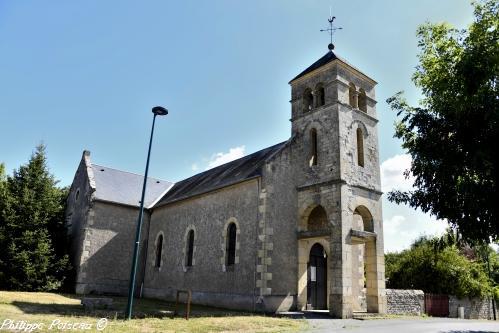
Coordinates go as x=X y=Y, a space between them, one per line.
x=331 y=30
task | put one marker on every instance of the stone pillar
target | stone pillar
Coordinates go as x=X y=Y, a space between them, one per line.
x=303 y=255
x=375 y=278
x=340 y=269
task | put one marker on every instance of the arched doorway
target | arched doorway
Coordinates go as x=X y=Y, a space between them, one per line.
x=364 y=264
x=317 y=278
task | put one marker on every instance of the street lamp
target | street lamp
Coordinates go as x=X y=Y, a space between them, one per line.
x=158 y=111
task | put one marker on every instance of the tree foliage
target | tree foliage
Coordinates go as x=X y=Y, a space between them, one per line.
x=31 y=226
x=453 y=135
x=435 y=266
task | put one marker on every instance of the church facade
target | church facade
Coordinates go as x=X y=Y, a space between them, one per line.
x=297 y=225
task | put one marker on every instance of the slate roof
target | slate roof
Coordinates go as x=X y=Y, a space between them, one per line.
x=327 y=58
x=227 y=174
x=126 y=188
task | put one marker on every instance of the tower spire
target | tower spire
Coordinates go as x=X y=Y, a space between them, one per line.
x=331 y=30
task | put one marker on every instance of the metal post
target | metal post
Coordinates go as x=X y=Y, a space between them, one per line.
x=133 y=272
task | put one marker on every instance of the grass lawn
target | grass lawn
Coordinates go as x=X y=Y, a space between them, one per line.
x=154 y=316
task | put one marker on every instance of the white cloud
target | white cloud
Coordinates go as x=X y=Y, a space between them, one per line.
x=404 y=224
x=401 y=230
x=222 y=158
x=392 y=225
x=194 y=167
x=392 y=173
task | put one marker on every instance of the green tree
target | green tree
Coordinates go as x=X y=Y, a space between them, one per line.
x=453 y=135
x=31 y=223
x=3 y=203
x=434 y=268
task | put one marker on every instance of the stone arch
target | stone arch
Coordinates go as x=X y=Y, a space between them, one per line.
x=308 y=100
x=317 y=277
x=361 y=125
x=320 y=95
x=159 y=244
x=189 y=249
x=223 y=245
x=304 y=248
x=317 y=219
x=320 y=130
x=321 y=241
x=366 y=216
x=352 y=95
x=362 y=100
x=321 y=214
x=366 y=266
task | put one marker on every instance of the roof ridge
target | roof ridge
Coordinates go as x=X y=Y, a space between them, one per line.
x=238 y=159
x=329 y=57
x=235 y=171
x=132 y=173
x=325 y=59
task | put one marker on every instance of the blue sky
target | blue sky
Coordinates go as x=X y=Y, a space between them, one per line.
x=84 y=75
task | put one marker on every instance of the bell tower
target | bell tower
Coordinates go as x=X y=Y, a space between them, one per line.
x=336 y=168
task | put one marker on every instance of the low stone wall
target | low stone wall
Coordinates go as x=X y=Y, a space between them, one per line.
x=405 y=302
x=474 y=308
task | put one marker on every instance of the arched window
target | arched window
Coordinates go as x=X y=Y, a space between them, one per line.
x=352 y=95
x=159 y=250
x=360 y=147
x=190 y=248
x=313 y=147
x=308 y=100
x=230 y=250
x=320 y=98
x=362 y=100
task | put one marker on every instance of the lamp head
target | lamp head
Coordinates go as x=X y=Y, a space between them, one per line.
x=159 y=111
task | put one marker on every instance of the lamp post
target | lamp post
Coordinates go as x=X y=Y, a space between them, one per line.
x=158 y=111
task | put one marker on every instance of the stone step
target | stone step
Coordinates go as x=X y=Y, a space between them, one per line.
x=367 y=315
x=291 y=314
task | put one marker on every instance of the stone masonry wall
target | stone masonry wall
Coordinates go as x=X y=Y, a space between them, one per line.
x=78 y=214
x=108 y=249
x=474 y=308
x=208 y=215
x=401 y=301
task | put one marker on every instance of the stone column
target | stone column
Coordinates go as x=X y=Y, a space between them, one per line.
x=340 y=268
x=375 y=276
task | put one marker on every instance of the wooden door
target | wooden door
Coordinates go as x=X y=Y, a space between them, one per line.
x=317 y=278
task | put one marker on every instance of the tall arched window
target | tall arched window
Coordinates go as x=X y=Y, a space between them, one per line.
x=360 y=147
x=190 y=248
x=159 y=250
x=230 y=250
x=313 y=147
x=308 y=100
x=362 y=100
x=352 y=95
x=320 y=98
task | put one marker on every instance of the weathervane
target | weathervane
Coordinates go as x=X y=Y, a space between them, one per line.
x=331 y=29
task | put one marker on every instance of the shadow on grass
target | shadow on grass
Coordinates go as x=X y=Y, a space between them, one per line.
x=143 y=308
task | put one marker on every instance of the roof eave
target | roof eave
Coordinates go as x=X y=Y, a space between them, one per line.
x=161 y=204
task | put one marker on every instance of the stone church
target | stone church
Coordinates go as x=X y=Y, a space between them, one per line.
x=294 y=226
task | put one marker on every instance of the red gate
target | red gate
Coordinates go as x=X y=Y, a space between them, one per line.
x=436 y=305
